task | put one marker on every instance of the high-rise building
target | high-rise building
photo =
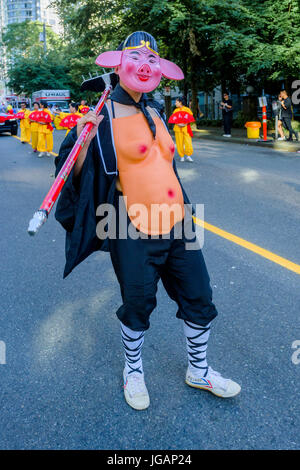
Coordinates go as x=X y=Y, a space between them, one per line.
x=17 y=11
x=3 y=22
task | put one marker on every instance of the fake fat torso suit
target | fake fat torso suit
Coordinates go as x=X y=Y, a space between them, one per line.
x=76 y=207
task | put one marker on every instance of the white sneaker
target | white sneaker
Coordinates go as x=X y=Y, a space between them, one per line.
x=189 y=159
x=281 y=138
x=48 y=154
x=182 y=159
x=41 y=154
x=214 y=383
x=135 y=391
x=226 y=135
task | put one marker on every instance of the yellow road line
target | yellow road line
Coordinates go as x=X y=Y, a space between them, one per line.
x=250 y=246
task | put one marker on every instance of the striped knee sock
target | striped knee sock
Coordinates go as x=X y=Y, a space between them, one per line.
x=132 y=342
x=196 y=341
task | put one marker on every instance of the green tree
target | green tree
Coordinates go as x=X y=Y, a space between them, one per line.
x=22 y=39
x=215 y=42
x=27 y=76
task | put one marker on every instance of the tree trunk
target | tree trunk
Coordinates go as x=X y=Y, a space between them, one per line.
x=194 y=89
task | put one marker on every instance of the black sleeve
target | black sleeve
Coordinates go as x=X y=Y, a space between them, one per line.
x=287 y=103
x=69 y=196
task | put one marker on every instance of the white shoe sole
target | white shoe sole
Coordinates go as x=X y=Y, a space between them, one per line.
x=134 y=405
x=233 y=394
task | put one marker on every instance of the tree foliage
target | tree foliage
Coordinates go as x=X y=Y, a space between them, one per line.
x=235 y=43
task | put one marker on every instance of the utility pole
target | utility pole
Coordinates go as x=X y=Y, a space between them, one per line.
x=44 y=38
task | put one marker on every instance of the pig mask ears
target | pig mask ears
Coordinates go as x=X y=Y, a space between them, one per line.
x=112 y=59
x=109 y=59
x=170 y=70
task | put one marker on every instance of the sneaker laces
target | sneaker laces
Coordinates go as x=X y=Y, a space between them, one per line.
x=136 y=384
x=223 y=383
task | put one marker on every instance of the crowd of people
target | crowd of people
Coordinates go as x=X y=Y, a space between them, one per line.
x=39 y=132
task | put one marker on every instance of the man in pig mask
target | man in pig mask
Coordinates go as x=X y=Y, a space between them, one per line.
x=128 y=161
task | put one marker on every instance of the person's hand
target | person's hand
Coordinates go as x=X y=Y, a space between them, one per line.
x=95 y=120
x=89 y=117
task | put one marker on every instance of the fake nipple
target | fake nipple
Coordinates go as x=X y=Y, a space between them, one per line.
x=171 y=193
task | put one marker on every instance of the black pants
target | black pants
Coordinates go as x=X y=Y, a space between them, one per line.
x=287 y=123
x=227 y=120
x=140 y=264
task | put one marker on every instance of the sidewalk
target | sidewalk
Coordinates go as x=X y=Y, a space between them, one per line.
x=239 y=136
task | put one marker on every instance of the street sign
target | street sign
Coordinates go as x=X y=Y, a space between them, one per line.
x=262 y=101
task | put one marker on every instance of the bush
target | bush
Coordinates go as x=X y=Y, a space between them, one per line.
x=209 y=123
x=295 y=124
x=242 y=118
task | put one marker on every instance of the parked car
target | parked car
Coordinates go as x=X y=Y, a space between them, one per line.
x=8 y=125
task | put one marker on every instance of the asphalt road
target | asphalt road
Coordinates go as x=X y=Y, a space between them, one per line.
x=61 y=386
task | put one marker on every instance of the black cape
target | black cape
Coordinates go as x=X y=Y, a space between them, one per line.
x=79 y=199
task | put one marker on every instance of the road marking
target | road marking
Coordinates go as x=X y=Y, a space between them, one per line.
x=240 y=241
x=250 y=246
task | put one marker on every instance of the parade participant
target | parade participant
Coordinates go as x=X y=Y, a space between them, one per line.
x=128 y=159
x=83 y=107
x=34 y=128
x=9 y=109
x=59 y=115
x=73 y=107
x=183 y=135
x=45 y=134
x=25 y=125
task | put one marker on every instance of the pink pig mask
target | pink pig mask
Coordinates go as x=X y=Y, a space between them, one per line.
x=140 y=68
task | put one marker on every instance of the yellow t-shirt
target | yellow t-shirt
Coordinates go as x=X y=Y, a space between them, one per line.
x=186 y=110
x=25 y=123
x=34 y=126
x=82 y=106
x=77 y=114
x=43 y=127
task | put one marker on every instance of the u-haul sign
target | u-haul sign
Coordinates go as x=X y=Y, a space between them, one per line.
x=60 y=95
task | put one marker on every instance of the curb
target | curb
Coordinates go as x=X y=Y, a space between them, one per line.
x=282 y=146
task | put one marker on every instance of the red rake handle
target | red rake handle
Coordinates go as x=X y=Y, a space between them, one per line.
x=40 y=216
